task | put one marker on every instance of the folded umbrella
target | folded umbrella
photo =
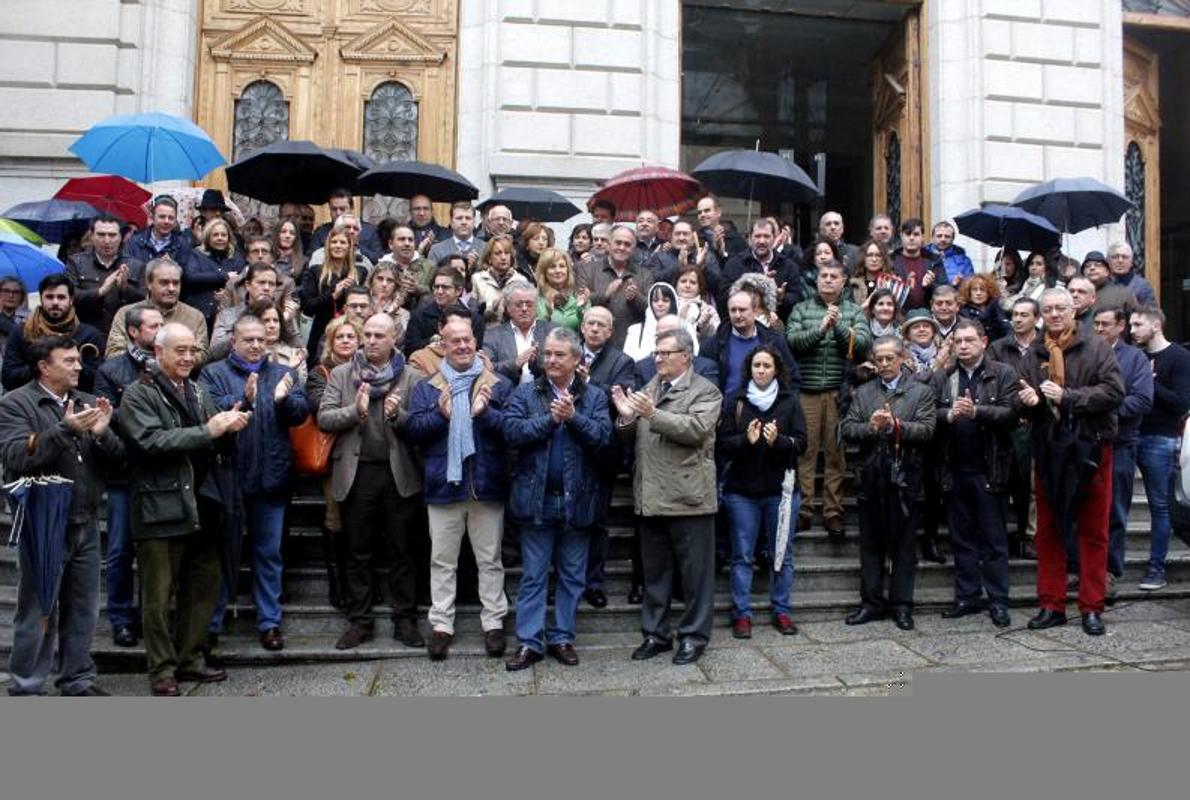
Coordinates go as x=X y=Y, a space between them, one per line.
x=148 y=147
x=40 y=509
x=666 y=191
x=1074 y=204
x=756 y=175
x=1008 y=226
x=294 y=171
x=110 y=194
x=786 y=514
x=27 y=263
x=529 y=203
x=409 y=178
x=54 y=220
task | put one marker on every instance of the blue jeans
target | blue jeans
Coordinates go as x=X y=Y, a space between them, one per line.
x=553 y=542
x=1123 y=468
x=1155 y=457
x=121 y=593
x=265 y=518
x=748 y=514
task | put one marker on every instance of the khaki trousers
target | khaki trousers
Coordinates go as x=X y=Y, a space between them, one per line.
x=484 y=525
x=822 y=423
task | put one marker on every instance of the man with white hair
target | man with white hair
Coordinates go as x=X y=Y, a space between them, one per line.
x=497 y=221
x=516 y=348
x=1119 y=257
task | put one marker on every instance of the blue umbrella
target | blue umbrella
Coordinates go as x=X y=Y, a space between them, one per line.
x=1008 y=226
x=148 y=147
x=40 y=509
x=54 y=220
x=27 y=264
x=1074 y=204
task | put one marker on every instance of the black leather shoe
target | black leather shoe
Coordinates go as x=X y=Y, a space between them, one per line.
x=689 y=651
x=1028 y=550
x=903 y=618
x=929 y=552
x=406 y=633
x=999 y=615
x=596 y=598
x=439 y=646
x=203 y=674
x=862 y=616
x=636 y=595
x=650 y=647
x=523 y=658
x=1093 y=625
x=123 y=636
x=354 y=636
x=494 y=642
x=963 y=608
x=272 y=640
x=564 y=654
x=1047 y=618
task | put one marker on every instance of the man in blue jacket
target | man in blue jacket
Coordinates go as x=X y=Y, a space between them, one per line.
x=263 y=460
x=456 y=417
x=559 y=425
x=954 y=258
x=162 y=237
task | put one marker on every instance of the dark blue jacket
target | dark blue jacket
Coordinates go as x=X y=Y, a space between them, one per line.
x=485 y=474
x=529 y=429
x=264 y=456
x=178 y=248
x=203 y=275
x=716 y=349
x=1137 y=372
x=17 y=369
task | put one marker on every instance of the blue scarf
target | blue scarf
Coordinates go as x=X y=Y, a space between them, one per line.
x=243 y=365
x=461 y=440
x=762 y=398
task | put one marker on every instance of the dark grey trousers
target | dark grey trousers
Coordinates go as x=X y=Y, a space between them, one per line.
x=689 y=544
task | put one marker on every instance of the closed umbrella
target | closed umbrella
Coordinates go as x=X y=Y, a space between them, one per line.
x=1008 y=226
x=1074 y=204
x=148 y=147
x=110 y=194
x=40 y=509
x=530 y=203
x=54 y=220
x=293 y=171
x=666 y=191
x=756 y=175
x=786 y=513
x=409 y=178
x=26 y=263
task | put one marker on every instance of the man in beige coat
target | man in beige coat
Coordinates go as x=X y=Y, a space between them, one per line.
x=376 y=478
x=672 y=421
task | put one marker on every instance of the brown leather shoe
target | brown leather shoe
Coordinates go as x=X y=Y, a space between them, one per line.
x=833 y=525
x=439 y=646
x=165 y=687
x=494 y=642
x=564 y=654
x=523 y=658
x=271 y=639
x=203 y=674
x=406 y=632
x=354 y=636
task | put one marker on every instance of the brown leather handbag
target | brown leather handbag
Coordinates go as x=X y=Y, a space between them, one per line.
x=311 y=446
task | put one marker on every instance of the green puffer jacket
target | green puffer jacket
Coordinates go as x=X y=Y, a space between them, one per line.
x=822 y=357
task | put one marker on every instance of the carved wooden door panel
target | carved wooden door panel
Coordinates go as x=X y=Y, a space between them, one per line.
x=898 y=162
x=1142 y=166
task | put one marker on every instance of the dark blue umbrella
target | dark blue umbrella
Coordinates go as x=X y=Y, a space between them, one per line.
x=755 y=175
x=148 y=147
x=1074 y=204
x=529 y=203
x=27 y=264
x=54 y=220
x=409 y=178
x=40 y=509
x=1008 y=226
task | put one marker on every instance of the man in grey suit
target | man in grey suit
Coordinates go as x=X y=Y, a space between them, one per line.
x=462 y=237
x=376 y=478
x=515 y=347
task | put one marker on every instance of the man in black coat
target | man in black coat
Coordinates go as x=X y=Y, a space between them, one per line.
x=446 y=287
x=104 y=278
x=761 y=258
x=55 y=316
x=340 y=203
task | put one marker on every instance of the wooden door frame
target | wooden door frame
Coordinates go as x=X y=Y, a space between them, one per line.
x=912 y=124
x=1142 y=124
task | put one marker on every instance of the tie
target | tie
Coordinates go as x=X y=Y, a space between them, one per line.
x=665 y=387
x=588 y=357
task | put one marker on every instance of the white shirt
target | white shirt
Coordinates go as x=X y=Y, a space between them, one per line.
x=523 y=343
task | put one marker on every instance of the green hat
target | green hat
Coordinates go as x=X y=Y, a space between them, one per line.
x=918 y=315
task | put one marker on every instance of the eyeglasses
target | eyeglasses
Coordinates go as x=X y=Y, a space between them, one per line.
x=664 y=354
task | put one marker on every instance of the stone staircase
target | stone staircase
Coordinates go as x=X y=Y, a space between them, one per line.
x=826 y=586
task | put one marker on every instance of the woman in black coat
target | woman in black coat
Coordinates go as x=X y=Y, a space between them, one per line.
x=762 y=431
x=324 y=287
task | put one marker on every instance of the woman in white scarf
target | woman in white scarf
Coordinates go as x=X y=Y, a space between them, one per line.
x=642 y=337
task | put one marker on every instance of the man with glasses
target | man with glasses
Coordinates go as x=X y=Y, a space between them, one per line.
x=671 y=423
x=497 y=221
x=892 y=420
x=1071 y=389
x=104 y=279
x=446 y=287
x=618 y=281
x=260 y=287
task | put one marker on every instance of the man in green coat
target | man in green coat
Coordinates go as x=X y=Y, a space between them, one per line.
x=172 y=428
x=825 y=333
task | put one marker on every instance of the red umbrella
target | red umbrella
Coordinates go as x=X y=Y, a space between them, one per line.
x=660 y=189
x=111 y=194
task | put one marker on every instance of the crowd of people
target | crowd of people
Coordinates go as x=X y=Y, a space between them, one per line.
x=482 y=382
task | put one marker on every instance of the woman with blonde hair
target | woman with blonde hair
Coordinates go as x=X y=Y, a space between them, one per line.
x=324 y=287
x=497 y=266
x=387 y=296
x=213 y=270
x=557 y=299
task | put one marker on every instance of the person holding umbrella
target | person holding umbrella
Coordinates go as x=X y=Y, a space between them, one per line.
x=48 y=427
x=1070 y=389
x=162 y=237
x=104 y=278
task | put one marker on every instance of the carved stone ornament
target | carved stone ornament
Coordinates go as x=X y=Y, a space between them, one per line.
x=263 y=39
x=392 y=43
x=393 y=6
x=275 y=6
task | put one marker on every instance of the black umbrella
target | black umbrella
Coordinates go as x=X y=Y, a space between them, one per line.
x=40 y=508
x=293 y=172
x=221 y=505
x=409 y=178
x=1065 y=464
x=755 y=175
x=1074 y=204
x=529 y=203
x=1008 y=226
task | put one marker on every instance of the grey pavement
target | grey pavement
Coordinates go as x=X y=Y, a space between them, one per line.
x=824 y=658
